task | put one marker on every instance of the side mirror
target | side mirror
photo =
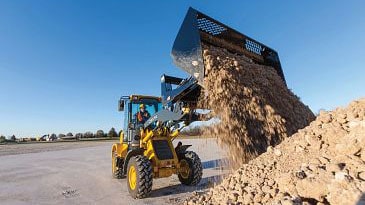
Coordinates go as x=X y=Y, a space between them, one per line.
x=131 y=126
x=121 y=105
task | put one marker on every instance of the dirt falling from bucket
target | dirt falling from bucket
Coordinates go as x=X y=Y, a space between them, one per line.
x=255 y=108
x=323 y=163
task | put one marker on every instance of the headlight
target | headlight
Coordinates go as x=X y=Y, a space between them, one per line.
x=158 y=123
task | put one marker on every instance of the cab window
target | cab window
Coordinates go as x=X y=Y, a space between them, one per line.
x=152 y=106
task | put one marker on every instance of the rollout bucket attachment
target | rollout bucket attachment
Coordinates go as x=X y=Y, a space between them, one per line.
x=198 y=28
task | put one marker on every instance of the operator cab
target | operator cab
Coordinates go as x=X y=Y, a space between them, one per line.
x=131 y=106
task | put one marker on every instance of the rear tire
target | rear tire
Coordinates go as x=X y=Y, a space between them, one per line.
x=117 y=166
x=139 y=177
x=195 y=169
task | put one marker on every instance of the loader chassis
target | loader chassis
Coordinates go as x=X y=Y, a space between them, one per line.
x=146 y=151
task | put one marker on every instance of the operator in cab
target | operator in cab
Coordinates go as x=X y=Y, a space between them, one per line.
x=142 y=115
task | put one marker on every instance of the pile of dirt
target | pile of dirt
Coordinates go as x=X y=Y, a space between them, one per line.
x=255 y=107
x=323 y=163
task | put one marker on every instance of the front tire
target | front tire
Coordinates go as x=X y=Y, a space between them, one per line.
x=139 y=177
x=191 y=169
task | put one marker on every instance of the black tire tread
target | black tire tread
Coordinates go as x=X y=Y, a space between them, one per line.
x=197 y=169
x=145 y=178
x=119 y=174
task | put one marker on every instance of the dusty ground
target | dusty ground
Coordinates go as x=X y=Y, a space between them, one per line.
x=34 y=147
x=79 y=173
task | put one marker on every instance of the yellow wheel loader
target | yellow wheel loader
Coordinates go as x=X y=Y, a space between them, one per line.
x=145 y=150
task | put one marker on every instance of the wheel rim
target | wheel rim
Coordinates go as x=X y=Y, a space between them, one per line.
x=184 y=169
x=132 y=177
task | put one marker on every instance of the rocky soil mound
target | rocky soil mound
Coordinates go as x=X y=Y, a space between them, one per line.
x=324 y=163
x=255 y=107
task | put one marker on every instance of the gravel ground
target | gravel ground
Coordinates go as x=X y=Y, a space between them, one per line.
x=25 y=148
x=79 y=173
x=322 y=164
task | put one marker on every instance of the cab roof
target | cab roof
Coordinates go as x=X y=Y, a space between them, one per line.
x=141 y=97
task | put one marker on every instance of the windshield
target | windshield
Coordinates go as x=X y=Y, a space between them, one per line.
x=151 y=106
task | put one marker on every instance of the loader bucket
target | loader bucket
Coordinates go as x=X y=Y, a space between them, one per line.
x=198 y=28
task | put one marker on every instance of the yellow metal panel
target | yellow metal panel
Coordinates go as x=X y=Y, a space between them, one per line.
x=174 y=134
x=161 y=168
x=164 y=172
x=147 y=135
x=121 y=149
x=121 y=137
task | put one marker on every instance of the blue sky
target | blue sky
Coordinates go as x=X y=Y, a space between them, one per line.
x=64 y=64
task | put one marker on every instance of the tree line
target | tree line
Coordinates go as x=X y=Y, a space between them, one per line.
x=98 y=134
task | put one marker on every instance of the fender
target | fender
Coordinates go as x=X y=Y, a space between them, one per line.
x=181 y=149
x=118 y=149
x=131 y=153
